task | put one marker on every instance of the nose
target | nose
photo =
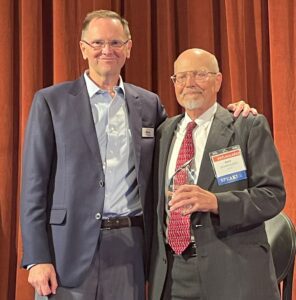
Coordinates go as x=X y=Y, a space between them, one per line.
x=106 y=48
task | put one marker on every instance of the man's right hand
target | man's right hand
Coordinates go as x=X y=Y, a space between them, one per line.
x=43 y=278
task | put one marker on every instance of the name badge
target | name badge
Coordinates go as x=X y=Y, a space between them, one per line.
x=228 y=165
x=147 y=132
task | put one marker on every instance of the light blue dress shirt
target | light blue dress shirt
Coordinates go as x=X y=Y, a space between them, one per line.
x=116 y=149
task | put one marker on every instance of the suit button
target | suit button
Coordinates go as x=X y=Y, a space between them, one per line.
x=101 y=183
x=98 y=216
x=164 y=260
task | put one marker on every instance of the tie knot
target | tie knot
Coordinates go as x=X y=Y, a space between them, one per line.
x=190 y=126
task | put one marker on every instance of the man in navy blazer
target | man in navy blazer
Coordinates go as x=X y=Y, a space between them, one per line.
x=88 y=152
x=236 y=184
x=88 y=140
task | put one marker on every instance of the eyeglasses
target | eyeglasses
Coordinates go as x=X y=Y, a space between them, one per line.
x=199 y=76
x=100 y=44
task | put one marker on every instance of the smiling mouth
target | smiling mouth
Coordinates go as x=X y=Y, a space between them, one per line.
x=107 y=59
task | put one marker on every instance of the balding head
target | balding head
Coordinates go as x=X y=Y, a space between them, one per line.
x=196 y=59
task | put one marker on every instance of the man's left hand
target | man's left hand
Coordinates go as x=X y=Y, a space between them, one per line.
x=241 y=107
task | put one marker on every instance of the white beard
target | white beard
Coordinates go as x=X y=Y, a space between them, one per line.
x=192 y=104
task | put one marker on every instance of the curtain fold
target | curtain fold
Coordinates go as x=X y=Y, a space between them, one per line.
x=282 y=17
x=254 y=41
x=8 y=169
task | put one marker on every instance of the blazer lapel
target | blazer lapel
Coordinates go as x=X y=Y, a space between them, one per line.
x=167 y=134
x=135 y=121
x=82 y=112
x=219 y=137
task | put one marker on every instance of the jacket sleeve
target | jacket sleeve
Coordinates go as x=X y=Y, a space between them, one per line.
x=38 y=164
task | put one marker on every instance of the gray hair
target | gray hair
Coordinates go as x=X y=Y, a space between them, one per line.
x=104 y=14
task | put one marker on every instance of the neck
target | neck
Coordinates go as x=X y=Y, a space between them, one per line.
x=105 y=82
x=194 y=114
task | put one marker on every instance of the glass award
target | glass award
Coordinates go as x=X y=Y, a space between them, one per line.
x=185 y=174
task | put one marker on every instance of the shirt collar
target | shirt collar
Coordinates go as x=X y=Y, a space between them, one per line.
x=207 y=116
x=92 y=88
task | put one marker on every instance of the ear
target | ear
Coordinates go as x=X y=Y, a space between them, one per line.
x=218 y=82
x=83 y=50
x=129 y=48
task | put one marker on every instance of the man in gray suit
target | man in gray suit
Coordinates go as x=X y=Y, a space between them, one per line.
x=209 y=240
x=86 y=168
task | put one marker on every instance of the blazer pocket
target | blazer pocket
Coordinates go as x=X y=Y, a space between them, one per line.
x=57 y=216
x=264 y=246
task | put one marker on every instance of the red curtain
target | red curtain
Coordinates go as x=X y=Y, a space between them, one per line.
x=254 y=41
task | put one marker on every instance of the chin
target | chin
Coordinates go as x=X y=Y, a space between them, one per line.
x=106 y=70
x=192 y=104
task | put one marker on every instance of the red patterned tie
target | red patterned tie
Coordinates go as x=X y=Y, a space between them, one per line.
x=179 y=225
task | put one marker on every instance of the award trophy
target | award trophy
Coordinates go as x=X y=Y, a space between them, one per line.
x=183 y=175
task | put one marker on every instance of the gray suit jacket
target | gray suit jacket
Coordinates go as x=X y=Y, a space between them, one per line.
x=63 y=178
x=233 y=252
